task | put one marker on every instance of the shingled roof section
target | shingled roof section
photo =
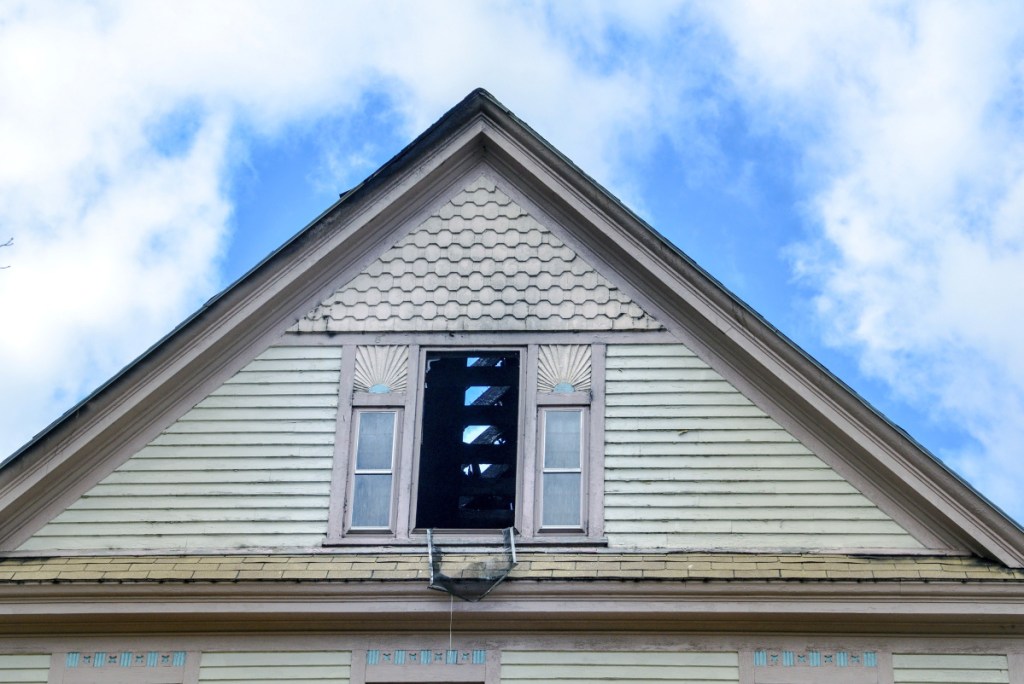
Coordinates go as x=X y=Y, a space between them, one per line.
x=479 y=263
x=532 y=566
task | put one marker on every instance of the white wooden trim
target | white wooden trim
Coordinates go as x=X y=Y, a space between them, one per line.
x=595 y=456
x=340 y=471
x=367 y=400
x=1015 y=662
x=527 y=476
x=410 y=442
x=470 y=338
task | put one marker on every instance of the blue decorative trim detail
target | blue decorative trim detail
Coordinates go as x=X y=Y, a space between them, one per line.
x=406 y=657
x=102 y=659
x=813 y=658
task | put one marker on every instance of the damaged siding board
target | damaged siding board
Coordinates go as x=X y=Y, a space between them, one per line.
x=692 y=463
x=950 y=669
x=581 y=667
x=267 y=667
x=249 y=466
x=24 y=669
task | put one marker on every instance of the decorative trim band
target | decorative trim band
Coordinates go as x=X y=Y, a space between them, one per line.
x=810 y=658
x=425 y=657
x=102 y=659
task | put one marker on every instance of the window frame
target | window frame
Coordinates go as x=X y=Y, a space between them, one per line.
x=529 y=479
x=543 y=411
x=521 y=437
x=358 y=411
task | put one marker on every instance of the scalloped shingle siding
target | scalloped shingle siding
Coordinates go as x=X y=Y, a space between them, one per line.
x=479 y=263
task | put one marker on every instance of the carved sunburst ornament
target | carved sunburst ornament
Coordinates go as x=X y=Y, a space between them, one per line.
x=380 y=370
x=563 y=368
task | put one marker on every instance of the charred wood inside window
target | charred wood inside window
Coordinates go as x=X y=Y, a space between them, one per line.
x=469 y=444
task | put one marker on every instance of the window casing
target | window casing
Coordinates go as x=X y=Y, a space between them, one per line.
x=547 y=452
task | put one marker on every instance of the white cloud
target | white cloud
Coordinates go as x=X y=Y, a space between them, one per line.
x=912 y=119
x=119 y=122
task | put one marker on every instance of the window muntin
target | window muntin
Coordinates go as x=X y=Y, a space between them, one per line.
x=469 y=440
x=562 y=438
x=375 y=446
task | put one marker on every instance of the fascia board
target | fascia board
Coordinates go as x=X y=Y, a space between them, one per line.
x=919 y=608
x=160 y=386
x=752 y=354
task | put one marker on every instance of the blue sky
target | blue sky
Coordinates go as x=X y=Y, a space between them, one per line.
x=854 y=171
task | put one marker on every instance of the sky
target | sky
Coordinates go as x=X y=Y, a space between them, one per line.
x=854 y=171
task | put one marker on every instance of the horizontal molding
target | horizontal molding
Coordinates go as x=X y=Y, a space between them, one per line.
x=920 y=608
x=481 y=338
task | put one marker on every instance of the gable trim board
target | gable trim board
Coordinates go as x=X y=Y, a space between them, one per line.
x=96 y=436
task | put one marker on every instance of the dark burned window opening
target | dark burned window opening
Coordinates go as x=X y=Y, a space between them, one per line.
x=469 y=443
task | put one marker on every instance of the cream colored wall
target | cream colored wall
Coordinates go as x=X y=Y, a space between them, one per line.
x=24 y=669
x=249 y=466
x=583 y=667
x=286 y=667
x=950 y=669
x=692 y=463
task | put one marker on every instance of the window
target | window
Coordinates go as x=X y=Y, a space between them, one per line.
x=469 y=440
x=561 y=463
x=373 y=471
x=463 y=439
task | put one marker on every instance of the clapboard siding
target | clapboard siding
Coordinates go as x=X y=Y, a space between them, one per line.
x=582 y=667
x=271 y=667
x=249 y=466
x=691 y=463
x=24 y=669
x=950 y=669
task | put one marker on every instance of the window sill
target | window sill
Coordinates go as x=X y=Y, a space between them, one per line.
x=385 y=544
